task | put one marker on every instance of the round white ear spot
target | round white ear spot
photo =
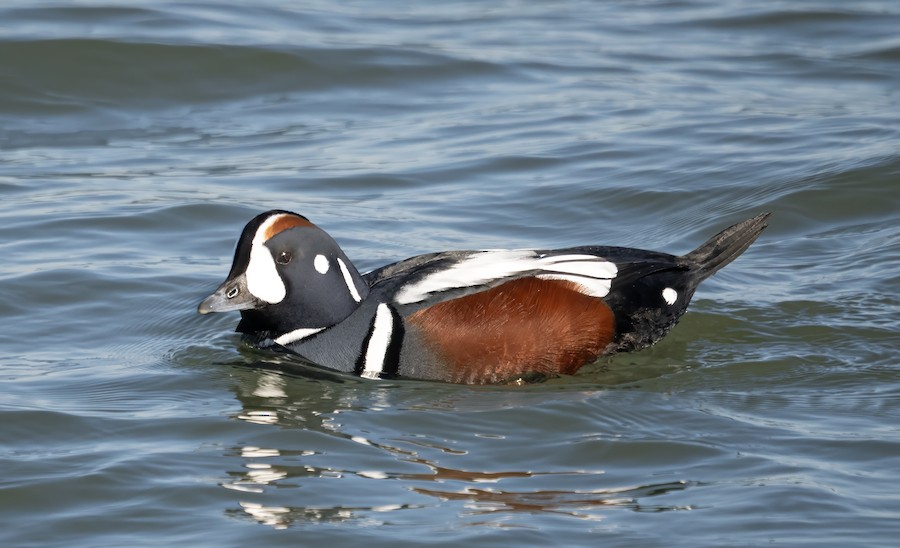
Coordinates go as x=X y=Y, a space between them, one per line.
x=321 y=264
x=669 y=295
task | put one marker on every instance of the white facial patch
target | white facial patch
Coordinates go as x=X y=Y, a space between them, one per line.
x=263 y=281
x=348 y=279
x=592 y=274
x=669 y=295
x=321 y=264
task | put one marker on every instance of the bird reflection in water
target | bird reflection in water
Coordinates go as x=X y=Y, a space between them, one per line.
x=270 y=475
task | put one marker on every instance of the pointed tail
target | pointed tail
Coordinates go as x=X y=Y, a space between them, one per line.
x=725 y=246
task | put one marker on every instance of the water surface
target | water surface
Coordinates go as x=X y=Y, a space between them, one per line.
x=137 y=138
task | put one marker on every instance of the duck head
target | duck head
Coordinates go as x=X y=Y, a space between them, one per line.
x=287 y=274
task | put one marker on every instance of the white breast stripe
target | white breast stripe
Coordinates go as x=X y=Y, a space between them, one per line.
x=297 y=334
x=592 y=274
x=348 y=279
x=382 y=329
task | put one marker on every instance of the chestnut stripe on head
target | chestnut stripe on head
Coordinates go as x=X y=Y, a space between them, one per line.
x=281 y=222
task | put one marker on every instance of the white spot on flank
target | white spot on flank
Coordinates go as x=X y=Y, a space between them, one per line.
x=321 y=263
x=348 y=279
x=263 y=281
x=382 y=329
x=670 y=295
x=592 y=274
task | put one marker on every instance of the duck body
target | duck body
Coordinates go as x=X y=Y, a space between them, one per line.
x=472 y=317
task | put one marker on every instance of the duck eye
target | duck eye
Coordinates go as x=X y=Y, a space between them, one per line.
x=233 y=292
x=283 y=258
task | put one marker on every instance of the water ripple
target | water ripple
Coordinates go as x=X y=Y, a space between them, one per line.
x=137 y=139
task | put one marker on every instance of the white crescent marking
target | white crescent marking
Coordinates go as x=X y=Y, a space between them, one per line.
x=348 y=279
x=263 y=281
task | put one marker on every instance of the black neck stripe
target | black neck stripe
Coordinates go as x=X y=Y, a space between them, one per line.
x=392 y=355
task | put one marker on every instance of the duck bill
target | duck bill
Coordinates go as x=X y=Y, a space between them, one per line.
x=231 y=295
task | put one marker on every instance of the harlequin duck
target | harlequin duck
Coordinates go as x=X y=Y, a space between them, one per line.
x=459 y=316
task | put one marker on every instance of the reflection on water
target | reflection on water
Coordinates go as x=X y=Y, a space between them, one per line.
x=281 y=517
x=413 y=465
x=572 y=503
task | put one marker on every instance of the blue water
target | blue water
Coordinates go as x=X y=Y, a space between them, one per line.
x=137 y=138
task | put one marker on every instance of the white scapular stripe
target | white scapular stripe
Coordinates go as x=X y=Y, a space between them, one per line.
x=588 y=286
x=348 y=279
x=583 y=265
x=670 y=295
x=382 y=329
x=297 y=334
x=592 y=274
x=263 y=281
